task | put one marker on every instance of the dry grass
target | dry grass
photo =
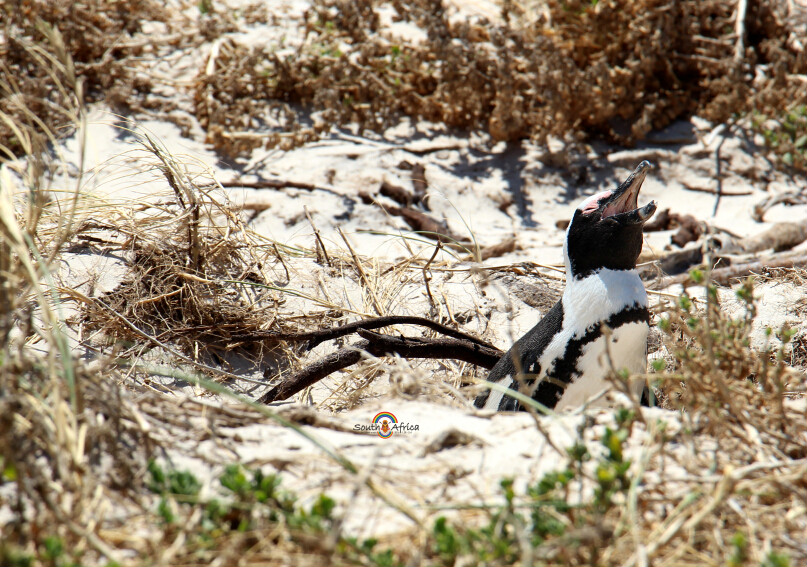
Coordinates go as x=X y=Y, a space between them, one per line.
x=62 y=416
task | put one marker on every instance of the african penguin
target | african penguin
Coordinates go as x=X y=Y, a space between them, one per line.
x=562 y=361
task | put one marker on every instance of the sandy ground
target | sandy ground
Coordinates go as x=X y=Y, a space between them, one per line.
x=470 y=186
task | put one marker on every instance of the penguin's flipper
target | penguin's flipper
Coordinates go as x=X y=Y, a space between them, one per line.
x=523 y=358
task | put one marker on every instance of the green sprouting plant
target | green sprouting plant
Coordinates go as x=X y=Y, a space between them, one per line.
x=739 y=550
x=550 y=512
x=205 y=6
x=177 y=483
x=774 y=559
x=612 y=471
x=251 y=502
x=365 y=552
x=12 y=557
x=53 y=553
x=785 y=135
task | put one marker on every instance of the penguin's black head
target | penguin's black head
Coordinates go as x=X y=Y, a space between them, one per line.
x=606 y=229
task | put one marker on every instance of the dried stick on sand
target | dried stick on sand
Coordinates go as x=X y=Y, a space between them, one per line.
x=422 y=223
x=314 y=338
x=376 y=344
x=781 y=236
x=724 y=276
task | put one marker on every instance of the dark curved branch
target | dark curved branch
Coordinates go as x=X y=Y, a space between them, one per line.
x=383 y=345
x=312 y=374
x=417 y=347
x=316 y=337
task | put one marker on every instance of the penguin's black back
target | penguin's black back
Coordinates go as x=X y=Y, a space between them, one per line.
x=526 y=351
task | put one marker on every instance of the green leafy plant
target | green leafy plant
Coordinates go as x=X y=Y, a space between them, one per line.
x=250 y=503
x=785 y=135
x=552 y=525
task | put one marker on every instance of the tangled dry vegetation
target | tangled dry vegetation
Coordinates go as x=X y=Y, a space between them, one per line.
x=56 y=55
x=573 y=70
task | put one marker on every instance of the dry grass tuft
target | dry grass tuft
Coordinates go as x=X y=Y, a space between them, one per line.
x=67 y=437
x=195 y=276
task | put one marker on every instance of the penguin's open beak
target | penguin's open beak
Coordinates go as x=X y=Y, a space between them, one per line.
x=622 y=205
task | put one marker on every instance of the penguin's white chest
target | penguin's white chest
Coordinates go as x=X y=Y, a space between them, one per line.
x=627 y=350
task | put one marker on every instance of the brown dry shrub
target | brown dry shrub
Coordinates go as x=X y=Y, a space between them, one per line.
x=95 y=35
x=610 y=69
x=229 y=103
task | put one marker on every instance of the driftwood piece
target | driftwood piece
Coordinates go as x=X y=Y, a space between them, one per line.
x=798 y=197
x=270 y=184
x=780 y=237
x=679 y=262
x=495 y=250
x=377 y=344
x=663 y=220
x=421 y=223
x=689 y=229
x=396 y=193
x=723 y=276
x=420 y=185
x=315 y=372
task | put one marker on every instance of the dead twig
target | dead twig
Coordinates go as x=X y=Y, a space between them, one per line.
x=422 y=224
x=396 y=193
x=790 y=198
x=283 y=262
x=420 y=185
x=718 y=191
x=362 y=274
x=494 y=250
x=739 y=31
x=719 y=170
x=317 y=235
x=270 y=184
x=427 y=278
